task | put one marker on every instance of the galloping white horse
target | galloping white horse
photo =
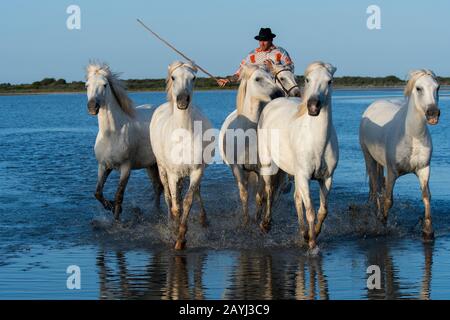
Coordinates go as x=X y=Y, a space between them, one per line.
x=394 y=136
x=256 y=89
x=178 y=146
x=306 y=148
x=123 y=139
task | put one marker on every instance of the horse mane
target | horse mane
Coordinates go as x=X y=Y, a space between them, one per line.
x=310 y=68
x=175 y=65
x=117 y=86
x=246 y=73
x=414 y=76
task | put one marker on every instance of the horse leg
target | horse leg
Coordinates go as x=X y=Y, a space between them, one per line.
x=103 y=174
x=371 y=168
x=299 y=208
x=259 y=199
x=242 y=181
x=424 y=177
x=165 y=184
x=194 y=183
x=303 y=185
x=153 y=174
x=325 y=187
x=175 y=184
x=267 y=219
x=388 y=193
x=203 y=221
x=125 y=171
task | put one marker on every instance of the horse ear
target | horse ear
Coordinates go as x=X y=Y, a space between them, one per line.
x=332 y=69
x=412 y=73
x=244 y=70
x=270 y=68
x=194 y=67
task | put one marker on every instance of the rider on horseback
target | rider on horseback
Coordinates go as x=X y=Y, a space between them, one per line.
x=267 y=54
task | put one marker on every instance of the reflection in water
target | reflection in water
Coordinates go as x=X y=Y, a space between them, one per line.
x=263 y=275
x=167 y=276
x=285 y=274
x=391 y=288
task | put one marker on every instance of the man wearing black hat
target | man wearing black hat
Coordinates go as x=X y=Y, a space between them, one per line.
x=266 y=54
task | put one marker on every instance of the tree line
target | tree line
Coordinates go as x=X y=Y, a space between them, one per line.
x=61 y=85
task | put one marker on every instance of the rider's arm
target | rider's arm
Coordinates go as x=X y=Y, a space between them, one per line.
x=284 y=58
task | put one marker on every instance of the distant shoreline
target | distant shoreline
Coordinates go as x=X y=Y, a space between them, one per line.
x=337 y=88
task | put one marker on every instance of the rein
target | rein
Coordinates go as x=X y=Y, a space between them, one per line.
x=287 y=91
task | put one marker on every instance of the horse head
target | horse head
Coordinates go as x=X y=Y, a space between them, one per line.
x=423 y=88
x=285 y=79
x=180 y=83
x=96 y=87
x=258 y=83
x=318 y=86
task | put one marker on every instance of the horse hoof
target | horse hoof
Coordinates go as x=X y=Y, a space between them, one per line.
x=428 y=236
x=265 y=227
x=304 y=235
x=383 y=219
x=314 y=251
x=180 y=245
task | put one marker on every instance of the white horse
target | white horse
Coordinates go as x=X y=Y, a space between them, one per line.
x=285 y=79
x=123 y=139
x=178 y=147
x=306 y=146
x=394 y=137
x=238 y=138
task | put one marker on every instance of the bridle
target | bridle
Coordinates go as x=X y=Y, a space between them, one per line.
x=286 y=91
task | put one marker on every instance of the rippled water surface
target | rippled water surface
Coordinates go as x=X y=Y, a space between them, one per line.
x=50 y=220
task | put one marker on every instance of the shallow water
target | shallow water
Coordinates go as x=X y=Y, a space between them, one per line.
x=50 y=219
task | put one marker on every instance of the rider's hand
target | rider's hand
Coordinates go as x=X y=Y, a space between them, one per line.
x=222 y=82
x=268 y=64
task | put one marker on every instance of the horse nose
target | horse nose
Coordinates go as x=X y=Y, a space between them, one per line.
x=183 y=100
x=314 y=106
x=296 y=93
x=93 y=107
x=277 y=94
x=433 y=113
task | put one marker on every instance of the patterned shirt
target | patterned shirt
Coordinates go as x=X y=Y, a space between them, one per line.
x=276 y=54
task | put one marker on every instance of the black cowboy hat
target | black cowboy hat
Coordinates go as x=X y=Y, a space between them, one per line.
x=265 y=34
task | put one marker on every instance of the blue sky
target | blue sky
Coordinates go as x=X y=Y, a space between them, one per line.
x=35 y=42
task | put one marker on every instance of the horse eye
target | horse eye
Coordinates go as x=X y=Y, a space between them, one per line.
x=419 y=89
x=258 y=79
x=105 y=85
x=330 y=82
x=307 y=80
x=282 y=79
x=173 y=78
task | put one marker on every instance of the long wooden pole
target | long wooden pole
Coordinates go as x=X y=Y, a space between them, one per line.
x=175 y=49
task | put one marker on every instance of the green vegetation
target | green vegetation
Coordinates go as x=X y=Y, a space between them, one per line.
x=60 y=85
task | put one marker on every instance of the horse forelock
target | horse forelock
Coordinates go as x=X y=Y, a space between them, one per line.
x=414 y=76
x=276 y=68
x=97 y=68
x=118 y=88
x=319 y=64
